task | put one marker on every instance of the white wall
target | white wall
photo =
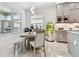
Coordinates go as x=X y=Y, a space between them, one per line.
x=23 y=20
x=49 y=14
x=28 y=18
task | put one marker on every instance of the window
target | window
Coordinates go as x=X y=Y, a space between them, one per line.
x=17 y=22
x=1 y=17
x=8 y=17
x=37 y=21
x=16 y=26
x=6 y=22
x=6 y=26
x=9 y=20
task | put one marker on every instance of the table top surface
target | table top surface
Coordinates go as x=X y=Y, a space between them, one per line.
x=28 y=34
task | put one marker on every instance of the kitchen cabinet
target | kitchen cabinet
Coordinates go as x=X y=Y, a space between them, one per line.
x=63 y=9
x=74 y=15
x=66 y=9
x=75 y=5
x=61 y=36
x=71 y=10
x=59 y=10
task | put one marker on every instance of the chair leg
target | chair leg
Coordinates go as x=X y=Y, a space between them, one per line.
x=25 y=43
x=22 y=47
x=30 y=47
x=44 y=51
x=34 y=51
x=18 y=48
x=14 y=49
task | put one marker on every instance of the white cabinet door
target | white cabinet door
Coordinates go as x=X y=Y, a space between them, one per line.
x=59 y=10
x=61 y=36
x=76 y=5
x=74 y=16
x=63 y=9
x=66 y=9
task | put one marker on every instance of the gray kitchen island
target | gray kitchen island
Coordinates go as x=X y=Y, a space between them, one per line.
x=73 y=43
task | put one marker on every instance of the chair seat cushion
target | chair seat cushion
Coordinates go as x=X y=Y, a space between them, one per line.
x=37 y=45
x=19 y=41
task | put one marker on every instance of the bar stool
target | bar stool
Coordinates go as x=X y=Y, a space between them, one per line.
x=18 y=44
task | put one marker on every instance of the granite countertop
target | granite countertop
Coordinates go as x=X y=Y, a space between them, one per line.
x=74 y=31
x=67 y=26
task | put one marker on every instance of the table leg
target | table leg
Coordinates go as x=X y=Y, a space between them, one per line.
x=28 y=44
x=25 y=43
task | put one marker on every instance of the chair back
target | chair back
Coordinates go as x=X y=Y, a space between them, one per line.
x=40 y=39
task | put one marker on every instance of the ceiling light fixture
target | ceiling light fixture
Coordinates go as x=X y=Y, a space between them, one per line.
x=33 y=10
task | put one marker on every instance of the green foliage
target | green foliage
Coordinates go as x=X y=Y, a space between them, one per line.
x=49 y=27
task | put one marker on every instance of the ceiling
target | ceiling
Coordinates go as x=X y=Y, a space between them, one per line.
x=27 y=5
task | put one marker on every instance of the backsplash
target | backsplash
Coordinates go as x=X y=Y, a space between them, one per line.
x=67 y=26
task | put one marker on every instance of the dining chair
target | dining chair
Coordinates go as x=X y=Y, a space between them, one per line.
x=39 y=42
x=18 y=44
x=40 y=30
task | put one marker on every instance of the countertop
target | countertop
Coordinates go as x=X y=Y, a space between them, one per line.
x=67 y=26
x=74 y=32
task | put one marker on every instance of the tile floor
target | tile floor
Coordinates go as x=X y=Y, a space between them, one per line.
x=53 y=49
